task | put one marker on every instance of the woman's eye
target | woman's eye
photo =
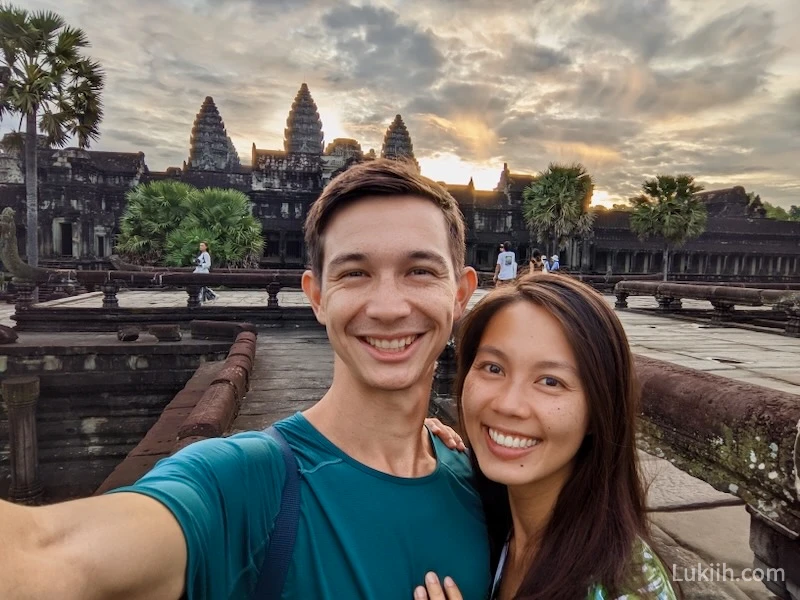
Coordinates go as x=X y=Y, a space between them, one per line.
x=492 y=368
x=550 y=381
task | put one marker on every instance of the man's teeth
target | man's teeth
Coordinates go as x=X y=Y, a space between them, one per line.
x=509 y=441
x=397 y=345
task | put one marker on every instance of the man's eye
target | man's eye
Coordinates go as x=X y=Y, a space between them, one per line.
x=354 y=274
x=421 y=272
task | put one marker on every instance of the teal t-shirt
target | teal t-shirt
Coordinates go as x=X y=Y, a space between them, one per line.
x=363 y=534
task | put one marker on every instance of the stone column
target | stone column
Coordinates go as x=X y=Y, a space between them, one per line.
x=110 y=290
x=193 y=300
x=20 y=395
x=26 y=297
x=272 y=294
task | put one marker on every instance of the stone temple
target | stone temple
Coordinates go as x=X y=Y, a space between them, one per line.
x=82 y=196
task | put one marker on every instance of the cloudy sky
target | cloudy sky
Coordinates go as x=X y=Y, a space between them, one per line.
x=631 y=88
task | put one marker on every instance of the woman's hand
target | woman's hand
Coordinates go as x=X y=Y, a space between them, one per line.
x=433 y=589
x=447 y=434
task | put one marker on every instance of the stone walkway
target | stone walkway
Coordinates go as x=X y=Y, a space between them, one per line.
x=693 y=522
x=766 y=359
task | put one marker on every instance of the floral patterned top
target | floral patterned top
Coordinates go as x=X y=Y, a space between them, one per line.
x=658 y=585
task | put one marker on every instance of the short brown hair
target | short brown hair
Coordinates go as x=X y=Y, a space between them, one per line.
x=381 y=177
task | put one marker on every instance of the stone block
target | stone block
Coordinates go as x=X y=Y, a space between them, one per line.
x=128 y=334
x=236 y=376
x=7 y=335
x=166 y=333
x=219 y=330
x=240 y=360
x=187 y=442
x=213 y=414
x=186 y=398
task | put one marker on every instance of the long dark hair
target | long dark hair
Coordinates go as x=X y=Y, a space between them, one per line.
x=600 y=512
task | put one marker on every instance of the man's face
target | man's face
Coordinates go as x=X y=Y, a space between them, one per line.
x=388 y=293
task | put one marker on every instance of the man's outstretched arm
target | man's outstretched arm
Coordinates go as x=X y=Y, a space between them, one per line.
x=120 y=546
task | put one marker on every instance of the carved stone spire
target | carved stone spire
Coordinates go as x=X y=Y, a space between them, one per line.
x=303 y=131
x=211 y=148
x=397 y=142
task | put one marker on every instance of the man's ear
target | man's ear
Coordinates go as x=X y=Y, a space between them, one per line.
x=312 y=288
x=467 y=284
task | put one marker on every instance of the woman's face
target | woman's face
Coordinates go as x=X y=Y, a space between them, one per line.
x=202 y=247
x=525 y=410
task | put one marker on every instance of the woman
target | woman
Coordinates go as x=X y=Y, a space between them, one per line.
x=203 y=262
x=537 y=263
x=548 y=401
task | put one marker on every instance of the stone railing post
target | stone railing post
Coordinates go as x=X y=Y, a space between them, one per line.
x=20 y=395
x=723 y=311
x=622 y=300
x=272 y=292
x=193 y=291
x=26 y=296
x=110 y=290
x=793 y=322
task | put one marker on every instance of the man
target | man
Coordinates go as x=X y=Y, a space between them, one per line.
x=381 y=503
x=505 y=270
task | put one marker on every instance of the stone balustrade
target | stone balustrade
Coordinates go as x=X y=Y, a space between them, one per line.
x=740 y=438
x=723 y=299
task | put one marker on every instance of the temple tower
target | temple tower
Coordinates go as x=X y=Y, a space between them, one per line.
x=397 y=142
x=211 y=149
x=303 y=133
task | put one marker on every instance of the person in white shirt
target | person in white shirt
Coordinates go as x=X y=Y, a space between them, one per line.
x=506 y=268
x=203 y=262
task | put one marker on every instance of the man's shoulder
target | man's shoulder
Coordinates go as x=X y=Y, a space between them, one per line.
x=454 y=461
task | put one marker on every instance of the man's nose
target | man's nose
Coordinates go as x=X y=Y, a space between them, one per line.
x=387 y=300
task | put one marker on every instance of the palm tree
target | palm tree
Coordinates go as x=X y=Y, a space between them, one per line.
x=556 y=205
x=154 y=211
x=47 y=81
x=166 y=220
x=669 y=209
x=221 y=218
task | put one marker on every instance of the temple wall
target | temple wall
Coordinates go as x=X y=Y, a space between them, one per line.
x=82 y=197
x=11 y=170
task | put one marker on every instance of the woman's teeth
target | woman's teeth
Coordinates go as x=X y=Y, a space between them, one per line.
x=512 y=441
x=397 y=345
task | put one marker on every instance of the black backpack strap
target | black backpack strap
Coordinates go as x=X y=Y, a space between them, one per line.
x=281 y=543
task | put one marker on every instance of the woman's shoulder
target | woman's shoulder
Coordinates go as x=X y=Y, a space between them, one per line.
x=656 y=581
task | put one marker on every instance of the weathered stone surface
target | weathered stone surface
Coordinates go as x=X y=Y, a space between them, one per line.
x=236 y=376
x=218 y=330
x=7 y=335
x=128 y=334
x=211 y=148
x=166 y=333
x=397 y=142
x=213 y=414
x=303 y=133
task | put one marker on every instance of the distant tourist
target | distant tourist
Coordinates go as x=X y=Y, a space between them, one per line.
x=555 y=265
x=203 y=262
x=505 y=270
x=548 y=400
x=381 y=501
x=537 y=263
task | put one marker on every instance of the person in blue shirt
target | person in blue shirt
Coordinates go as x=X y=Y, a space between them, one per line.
x=382 y=502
